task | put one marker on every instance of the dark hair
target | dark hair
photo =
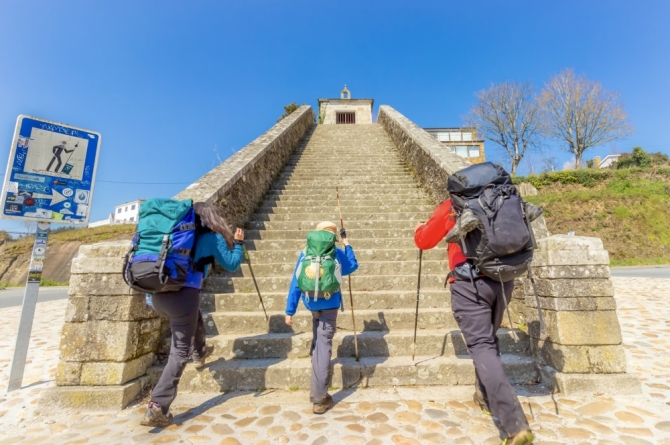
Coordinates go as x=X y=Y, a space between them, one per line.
x=210 y=218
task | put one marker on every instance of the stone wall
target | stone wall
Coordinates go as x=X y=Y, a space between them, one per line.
x=237 y=185
x=581 y=342
x=431 y=161
x=110 y=337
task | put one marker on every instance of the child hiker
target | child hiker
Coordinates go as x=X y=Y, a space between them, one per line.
x=317 y=277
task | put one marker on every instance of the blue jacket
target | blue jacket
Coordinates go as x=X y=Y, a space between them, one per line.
x=213 y=244
x=347 y=260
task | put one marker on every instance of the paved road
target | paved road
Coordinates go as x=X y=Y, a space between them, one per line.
x=13 y=296
x=642 y=271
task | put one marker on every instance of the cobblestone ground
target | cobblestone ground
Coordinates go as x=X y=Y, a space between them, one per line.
x=432 y=415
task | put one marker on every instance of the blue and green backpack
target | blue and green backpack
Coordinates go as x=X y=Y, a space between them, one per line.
x=161 y=255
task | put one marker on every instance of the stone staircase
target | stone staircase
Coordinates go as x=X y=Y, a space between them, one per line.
x=381 y=203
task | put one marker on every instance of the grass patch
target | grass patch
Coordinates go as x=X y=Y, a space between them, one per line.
x=628 y=209
x=293 y=388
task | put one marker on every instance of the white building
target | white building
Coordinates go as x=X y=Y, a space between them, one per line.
x=345 y=110
x=127 y=212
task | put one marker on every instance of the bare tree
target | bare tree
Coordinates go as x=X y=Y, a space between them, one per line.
x=507 y=114
x=581 y=113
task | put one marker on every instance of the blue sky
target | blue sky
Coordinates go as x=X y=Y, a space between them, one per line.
x=168 y=82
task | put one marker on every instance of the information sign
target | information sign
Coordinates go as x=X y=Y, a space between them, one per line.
x=50 y=173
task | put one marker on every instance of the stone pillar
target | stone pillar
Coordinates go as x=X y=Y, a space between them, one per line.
x=582 y=341
x=109 y=338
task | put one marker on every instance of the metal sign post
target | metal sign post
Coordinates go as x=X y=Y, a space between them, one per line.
x=50 y=177
x=28 y=308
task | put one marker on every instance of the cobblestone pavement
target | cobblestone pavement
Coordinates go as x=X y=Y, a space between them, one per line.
x=428 y=415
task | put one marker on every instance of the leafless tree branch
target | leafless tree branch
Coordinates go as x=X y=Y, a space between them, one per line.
x=507 y=114
x=580 y=113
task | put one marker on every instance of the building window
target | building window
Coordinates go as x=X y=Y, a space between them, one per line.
x=132 y=207
x=443 y=137
x=455 y=136
x=461 y=150
x=474 y=151
x=467 y=136
x=126 y=209
x=118 y=210
x=132 y=218
x=347 y=117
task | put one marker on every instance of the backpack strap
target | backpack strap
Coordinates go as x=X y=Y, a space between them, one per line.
x=129 y=257
x=316 y=279
x=160 y=264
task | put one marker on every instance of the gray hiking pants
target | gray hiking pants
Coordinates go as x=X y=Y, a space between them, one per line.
x=188 y=334
x=323 y=330
x=479 y=313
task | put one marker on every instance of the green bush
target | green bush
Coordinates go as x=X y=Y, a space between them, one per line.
x=637 y=158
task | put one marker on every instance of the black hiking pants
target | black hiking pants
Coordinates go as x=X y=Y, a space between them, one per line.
x=479 y=313
x=188 y=335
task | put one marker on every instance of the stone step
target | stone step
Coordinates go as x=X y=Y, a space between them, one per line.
x=239 y=374
x=294 y=194
x=333 y=215
x=365 y=268
x=328 y=201
x=232 y=283
x=397 y=224
x=364 y=256
x=362 y=244
x=337 y=175
x=429 y=342
x=248 y=323
x=353 y=234
x=328 y=209
x=363 y=300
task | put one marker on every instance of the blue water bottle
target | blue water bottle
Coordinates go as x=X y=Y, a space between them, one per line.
x=148 y=300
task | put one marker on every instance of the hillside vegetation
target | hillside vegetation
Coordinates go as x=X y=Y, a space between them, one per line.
x=62 y=247
x=629 y=209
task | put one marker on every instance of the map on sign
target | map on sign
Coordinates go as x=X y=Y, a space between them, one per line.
x=51 y=172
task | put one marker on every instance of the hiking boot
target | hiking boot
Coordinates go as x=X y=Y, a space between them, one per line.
x=325 y=405
x=524 y=437
x=481 y=402
x=532 y=211
x=467 y=221
x=154 y=416
x=199 y=362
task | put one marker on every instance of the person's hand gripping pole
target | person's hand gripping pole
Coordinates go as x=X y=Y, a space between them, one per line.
x=343 y=235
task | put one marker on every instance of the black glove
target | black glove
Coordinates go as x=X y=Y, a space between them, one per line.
x=239 y=242
x=343 y=233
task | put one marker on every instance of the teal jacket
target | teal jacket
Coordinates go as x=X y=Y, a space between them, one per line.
x=213 y=245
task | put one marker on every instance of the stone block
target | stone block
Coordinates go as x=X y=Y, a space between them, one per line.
x=68 y=373
x=576 y=328
x=100 y=284
x=100 y=341
x=565 y=250
x=110 y=264
x=107 y=249
x=573 y=304
x=580 y=384
x=119 y=308
x=148 y=342
x=115 y=373
x=560 y=288
x=92 y=398
x=579 y=271
x=609 y=359
x=77 y=310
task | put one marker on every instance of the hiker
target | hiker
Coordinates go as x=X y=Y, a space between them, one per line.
x=57 y=150
x=324 y=304
x=213 y=240
x=478 y=301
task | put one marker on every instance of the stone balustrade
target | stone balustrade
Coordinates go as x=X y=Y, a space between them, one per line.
x=581 y=343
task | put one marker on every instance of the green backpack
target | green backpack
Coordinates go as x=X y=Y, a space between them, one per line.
x=319 y=255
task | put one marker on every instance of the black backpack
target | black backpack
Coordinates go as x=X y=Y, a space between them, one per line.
x=501 y=247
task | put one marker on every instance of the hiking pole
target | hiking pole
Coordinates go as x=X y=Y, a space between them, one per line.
x=351 y=296
x=246 y=257
x=416 y=314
